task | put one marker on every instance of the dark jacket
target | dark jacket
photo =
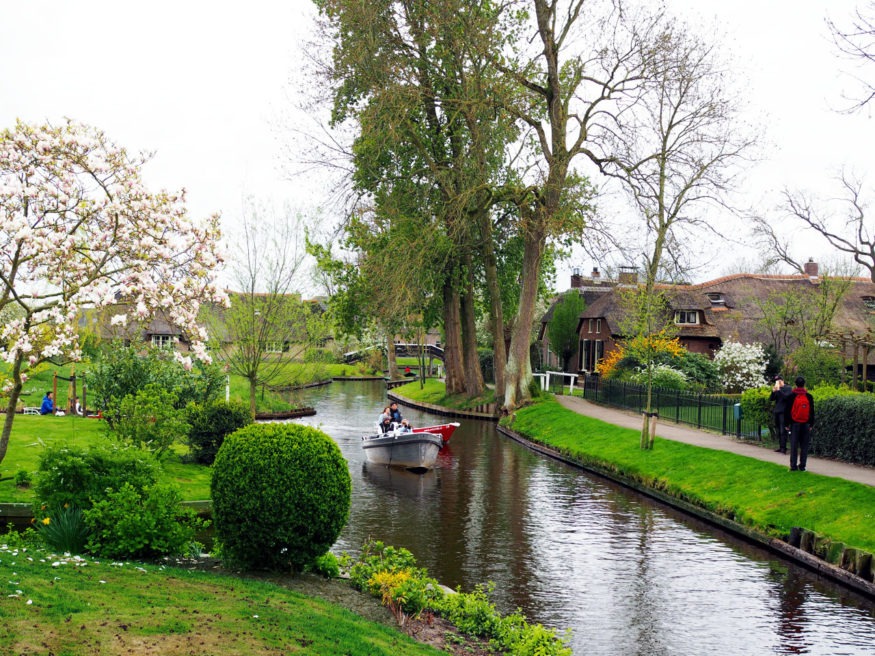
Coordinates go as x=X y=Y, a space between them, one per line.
x=800 y=390
x=781 y=398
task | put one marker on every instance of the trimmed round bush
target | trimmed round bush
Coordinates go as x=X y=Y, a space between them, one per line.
x=281 y=496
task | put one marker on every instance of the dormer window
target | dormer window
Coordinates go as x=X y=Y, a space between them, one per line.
x=686 y=317
x=869 y=302
x=717 y=299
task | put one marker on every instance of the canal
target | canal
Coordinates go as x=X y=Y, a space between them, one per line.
x=624 y=574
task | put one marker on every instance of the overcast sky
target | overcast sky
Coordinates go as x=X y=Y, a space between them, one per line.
x=205 y=86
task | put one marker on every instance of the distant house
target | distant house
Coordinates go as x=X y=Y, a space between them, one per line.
x=730 y=308
x=591 y=288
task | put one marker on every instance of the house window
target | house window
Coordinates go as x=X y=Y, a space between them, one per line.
x=163 y=341
x=686 y=317
x=598 y=325
x=592 y=351
x=274 y=347
x=716 y=299
x=869 y=302
x=589 y=328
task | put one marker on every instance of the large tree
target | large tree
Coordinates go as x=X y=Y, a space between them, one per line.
x=579 y=73
x=562 y=329
x=675 y=152
x=855 y=39
x=414 y=80
x=79 y=229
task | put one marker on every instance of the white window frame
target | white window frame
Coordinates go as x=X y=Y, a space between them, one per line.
x=683 y=317
x=163 y=341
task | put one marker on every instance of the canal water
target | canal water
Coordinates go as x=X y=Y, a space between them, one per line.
x=626 y=575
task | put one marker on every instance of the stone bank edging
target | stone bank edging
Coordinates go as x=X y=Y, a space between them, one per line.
x=775 y=545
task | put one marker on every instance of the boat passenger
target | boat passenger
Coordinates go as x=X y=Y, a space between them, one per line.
x=395 y=412
x=405 y=427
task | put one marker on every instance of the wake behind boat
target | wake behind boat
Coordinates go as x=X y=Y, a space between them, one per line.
x=411 y=450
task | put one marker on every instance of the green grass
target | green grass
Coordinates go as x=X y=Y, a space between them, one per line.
x=73 y=606
x=31 y=434
x=435 y=392
x=761 y=495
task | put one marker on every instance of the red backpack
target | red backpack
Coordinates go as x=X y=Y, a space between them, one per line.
x=800 y=411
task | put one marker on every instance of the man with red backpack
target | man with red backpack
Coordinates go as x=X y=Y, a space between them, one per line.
x=800 y=419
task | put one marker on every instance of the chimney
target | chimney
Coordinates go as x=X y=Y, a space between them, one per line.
x=576 y=281
x=811 y=268
x=595 y=275
x=628 y=275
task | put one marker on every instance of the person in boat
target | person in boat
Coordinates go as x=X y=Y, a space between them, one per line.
x=385 y=420
x=395 y=413
x=405 y=427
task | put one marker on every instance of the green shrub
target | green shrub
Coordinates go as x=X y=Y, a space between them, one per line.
x=64 y=530
x=140 y=523
x=210 y=424
x=845 y=428
x=823 y=392
x=148 y=420
x=76 y=476
x=281 y=495
x=756 y=406
x=125 y=370
x=816 y=363
x=23 y=478
x=325 y=565
x=662 y=376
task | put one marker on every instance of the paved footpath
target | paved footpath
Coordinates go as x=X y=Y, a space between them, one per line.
x=688 y=435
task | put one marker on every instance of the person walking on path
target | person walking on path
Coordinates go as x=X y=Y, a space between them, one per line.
x=800 y=417
x=781 y=396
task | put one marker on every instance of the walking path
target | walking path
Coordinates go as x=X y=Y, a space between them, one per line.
x=688 y=435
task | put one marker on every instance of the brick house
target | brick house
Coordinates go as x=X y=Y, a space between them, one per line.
x=728 y=308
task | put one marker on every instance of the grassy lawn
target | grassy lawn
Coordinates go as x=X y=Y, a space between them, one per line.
x=760 y=495
x=69 y=606
x=32 y=434
x=435 y=392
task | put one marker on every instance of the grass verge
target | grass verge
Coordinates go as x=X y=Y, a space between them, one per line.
x=435 y=392
x=760 y=495
x=68 y=605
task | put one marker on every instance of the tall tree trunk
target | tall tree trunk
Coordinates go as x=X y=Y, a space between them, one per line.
x=473 y=372
x=12 y=406
x=495 y=309
x=391 y=359
x=518 y=374
x=453 y=362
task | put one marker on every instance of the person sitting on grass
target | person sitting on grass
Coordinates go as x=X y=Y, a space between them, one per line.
x=48 y=405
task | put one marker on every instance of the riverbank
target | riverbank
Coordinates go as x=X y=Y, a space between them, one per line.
x=821 y=522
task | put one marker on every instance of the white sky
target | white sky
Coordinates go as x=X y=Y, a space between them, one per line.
x=205 y=84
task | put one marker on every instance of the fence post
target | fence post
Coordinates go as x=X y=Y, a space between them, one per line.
x=677 y=415
x=699 y=411
x=725 y=405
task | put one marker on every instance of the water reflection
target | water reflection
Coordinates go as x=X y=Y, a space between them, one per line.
x=626 y=575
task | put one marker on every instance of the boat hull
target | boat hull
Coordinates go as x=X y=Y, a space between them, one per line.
x=444 y=430
x=407 y=450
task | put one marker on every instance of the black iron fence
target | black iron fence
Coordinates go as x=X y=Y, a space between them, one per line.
x=707 y=411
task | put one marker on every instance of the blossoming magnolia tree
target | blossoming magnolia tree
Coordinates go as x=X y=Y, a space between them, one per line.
x=79 y=229
x=741 y=366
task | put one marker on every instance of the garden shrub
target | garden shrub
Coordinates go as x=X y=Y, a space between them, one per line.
x=757 y=407
x=210 y=424
x=148 y=420
x=817 y=363
x=662 y=376
x=281 y=495
x=77 y=476
x=23 y=478
x=124 y=370
x=741 y=366
x=844 y=428
x=140 y=523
